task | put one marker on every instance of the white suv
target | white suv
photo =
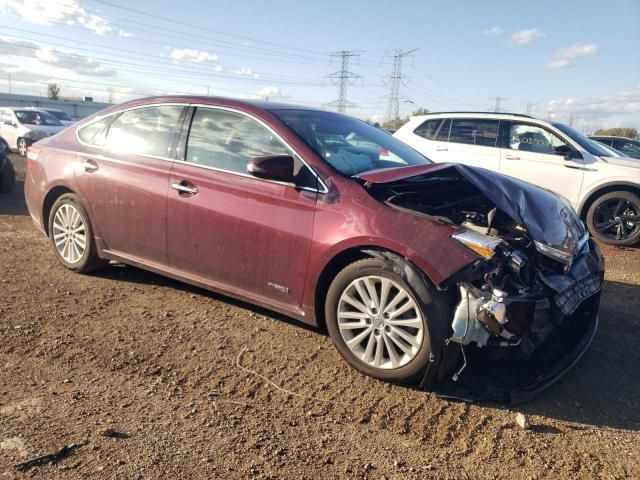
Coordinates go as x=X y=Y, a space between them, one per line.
x=21 y=127
x=603 y=189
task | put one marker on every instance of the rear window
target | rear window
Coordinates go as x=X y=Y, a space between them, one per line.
x=93 y=134
x=428 y=129
x=477 y=131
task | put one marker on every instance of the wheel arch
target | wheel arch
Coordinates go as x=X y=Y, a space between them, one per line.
x=604 y=189
x=49 y=199
x=338 y=262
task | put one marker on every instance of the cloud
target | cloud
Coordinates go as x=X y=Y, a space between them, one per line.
x=492 y=32
x=266 y=93
x=51 y=57
x=617 y=109
x=563 y=57
x=48 y=12
x=193 y=55
x=528 y=35
x=272 y=92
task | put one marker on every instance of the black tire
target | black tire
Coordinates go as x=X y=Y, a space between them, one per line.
x=7 y=177
x=22 y=147
x=428 y=300
x=606 y=218
x=89 y=260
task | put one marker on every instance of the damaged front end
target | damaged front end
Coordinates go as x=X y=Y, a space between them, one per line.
x=526 y=310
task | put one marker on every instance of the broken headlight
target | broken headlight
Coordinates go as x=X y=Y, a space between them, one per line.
x=481 y=244
x=561 y=256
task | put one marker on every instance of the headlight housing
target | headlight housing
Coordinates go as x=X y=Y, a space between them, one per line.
x=35 y=135
x=482 y=245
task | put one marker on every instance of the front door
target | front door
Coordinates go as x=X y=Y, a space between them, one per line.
x=232 y=229
x=123 y=176
x=530 y=155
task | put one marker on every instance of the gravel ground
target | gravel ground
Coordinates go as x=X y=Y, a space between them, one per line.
x=143 y=377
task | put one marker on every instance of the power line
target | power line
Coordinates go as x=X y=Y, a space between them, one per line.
x=343 y=78
x=395 y=79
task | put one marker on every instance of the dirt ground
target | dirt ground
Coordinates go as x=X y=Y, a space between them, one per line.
x=145 y=377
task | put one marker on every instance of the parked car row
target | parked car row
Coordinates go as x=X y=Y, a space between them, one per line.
x=627 y=146
x=21 y=127
x=468 y=282
x=601 y=185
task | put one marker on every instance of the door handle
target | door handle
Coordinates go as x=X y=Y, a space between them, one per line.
x=184 y=189
x=442 y=149
x=511 y=157
x=89 y=166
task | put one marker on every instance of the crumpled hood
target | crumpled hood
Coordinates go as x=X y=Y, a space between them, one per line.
x=547 y=217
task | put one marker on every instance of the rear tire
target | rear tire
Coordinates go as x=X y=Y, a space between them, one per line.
x=606 y=218
x=7 y=178
x=404 y=338
x=71 y=235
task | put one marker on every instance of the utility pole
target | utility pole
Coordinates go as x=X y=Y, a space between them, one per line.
x=394 y=80
x=343 y=78
x=9 y=83
x=498 y=102
x=530 y=106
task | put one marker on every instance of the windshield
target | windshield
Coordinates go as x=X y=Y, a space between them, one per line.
x=60 y=115
x=349 y=145
x=33 y=117
x=591 y=146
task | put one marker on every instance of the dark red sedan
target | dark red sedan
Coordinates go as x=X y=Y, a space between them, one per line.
x=467 y=282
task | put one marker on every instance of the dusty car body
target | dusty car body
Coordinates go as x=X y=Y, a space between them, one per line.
x=498 y=274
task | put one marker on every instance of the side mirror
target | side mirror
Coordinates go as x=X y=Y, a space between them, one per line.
x=272 y=167
x=567 y=152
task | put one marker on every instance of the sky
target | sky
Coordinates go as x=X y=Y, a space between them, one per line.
x=573 y=61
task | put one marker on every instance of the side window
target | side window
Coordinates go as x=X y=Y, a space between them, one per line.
x=144 y=131
x=529 y=138
x=627 y=147
x=474 y=132
x=443 y=132
x=94 y=133
x=428 y=129
x=228 y=140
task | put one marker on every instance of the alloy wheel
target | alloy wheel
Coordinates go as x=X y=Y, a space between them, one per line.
x=69 y=233
x=617 y=219
x=22 y=147
x=380 y=322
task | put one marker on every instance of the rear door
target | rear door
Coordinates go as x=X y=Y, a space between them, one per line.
x=529 y=154
x=430 y=138
x=230 y=229
x=123 y=176
x=9 y=128
x=472 y=141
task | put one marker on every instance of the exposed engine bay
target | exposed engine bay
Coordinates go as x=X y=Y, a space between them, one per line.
x=535 y=266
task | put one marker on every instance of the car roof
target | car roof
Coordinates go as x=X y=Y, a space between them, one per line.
x=214 y=101
x=458 y=114
x=614 y=136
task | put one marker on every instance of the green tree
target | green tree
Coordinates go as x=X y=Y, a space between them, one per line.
x=617 y=132
x=53 y=91
x=398 y=122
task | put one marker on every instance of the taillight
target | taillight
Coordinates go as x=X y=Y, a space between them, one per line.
x=32 y=155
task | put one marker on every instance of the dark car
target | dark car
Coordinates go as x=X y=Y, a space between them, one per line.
x=7 y=172
x=469 y=283
x=628 y=146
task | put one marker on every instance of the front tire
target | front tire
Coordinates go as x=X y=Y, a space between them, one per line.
x=71 y=235
x=614 y=218
x=378 y=322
